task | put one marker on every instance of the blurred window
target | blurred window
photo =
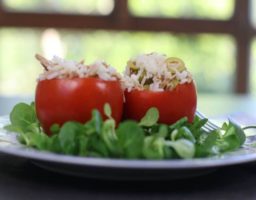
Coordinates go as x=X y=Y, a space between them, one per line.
x=253 y=67
x=252 y=12
x=212 y=49
x=205 y=54
x=253 y=49
x=211 y=9
x=93 y=7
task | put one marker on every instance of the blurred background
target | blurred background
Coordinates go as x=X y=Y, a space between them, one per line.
x=216 y=39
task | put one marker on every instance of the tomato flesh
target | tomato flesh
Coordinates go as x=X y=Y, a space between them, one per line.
x=62 y=100
x=172 y=105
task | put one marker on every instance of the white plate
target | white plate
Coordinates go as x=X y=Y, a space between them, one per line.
x=120 y=168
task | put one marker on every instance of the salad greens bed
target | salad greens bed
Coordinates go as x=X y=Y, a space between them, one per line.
x=146 y=139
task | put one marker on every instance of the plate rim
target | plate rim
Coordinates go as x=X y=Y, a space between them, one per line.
x=118 y=163
x=172 y=164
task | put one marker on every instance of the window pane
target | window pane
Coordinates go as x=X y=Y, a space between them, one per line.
x=98 y=7
x=252 y=12
x=210 y=58
x=217 y=9
x=18 y=68
x=253 y=68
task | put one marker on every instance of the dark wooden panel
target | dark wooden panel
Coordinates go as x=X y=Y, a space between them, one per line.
x=243 y=35
x=182 y=25
x=115 y=22
x=11 y=19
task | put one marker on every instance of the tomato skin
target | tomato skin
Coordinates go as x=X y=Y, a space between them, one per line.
x=61 y=100
x=172 y=105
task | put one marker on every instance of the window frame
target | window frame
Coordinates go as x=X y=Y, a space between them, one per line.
x=238 y=26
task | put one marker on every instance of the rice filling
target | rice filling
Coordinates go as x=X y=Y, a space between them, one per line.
x=155 y=72
x=58 y=68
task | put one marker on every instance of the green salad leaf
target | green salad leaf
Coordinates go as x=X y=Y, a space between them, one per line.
x=107 y=110
x=183 y=147
x=146 y=139
x=130 y=137
x=23 y=118
x=150 y=118
x=154 y=147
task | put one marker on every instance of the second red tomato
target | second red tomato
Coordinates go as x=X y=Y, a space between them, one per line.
x=172 y=105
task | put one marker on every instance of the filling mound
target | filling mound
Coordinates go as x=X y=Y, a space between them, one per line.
x=155 y=72
x=58 y=68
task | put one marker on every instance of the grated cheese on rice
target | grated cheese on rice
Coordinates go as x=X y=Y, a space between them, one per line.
x=155 y=72
x=58 y=68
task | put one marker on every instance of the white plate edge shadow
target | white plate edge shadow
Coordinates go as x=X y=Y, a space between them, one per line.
x=244 y=155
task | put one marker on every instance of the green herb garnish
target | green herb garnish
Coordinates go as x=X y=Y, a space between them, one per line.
x=146 y=139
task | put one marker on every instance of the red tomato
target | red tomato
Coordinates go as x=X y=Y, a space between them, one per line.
x=61 y=100
x=172 y=105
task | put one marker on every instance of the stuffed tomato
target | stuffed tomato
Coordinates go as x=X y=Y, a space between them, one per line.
x=153 y=80
x=69 y=91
